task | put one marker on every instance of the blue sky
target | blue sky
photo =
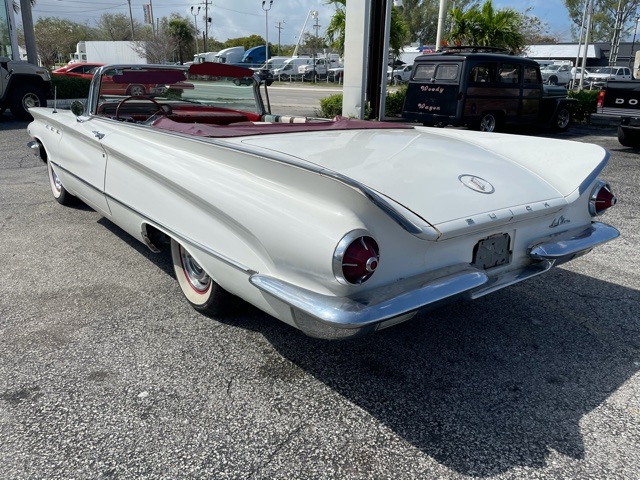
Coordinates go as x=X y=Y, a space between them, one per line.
x=244 y=17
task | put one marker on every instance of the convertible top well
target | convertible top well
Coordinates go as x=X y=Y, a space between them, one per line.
x=266 y=128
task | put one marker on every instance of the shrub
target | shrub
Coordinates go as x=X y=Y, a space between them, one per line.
x=395 y=101
x=331 y=106
x=587 y=103
x=69 y=87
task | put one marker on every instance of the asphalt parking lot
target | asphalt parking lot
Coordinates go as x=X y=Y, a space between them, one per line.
x=105 y=372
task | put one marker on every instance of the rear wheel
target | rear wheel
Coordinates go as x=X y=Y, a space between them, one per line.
x=488 y=122
x=59 y=192
x=629 y=137
x=205 y=295
x=562 y=119
x=25 y=97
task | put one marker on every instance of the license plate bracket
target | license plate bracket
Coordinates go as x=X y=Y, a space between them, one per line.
x=492 y=251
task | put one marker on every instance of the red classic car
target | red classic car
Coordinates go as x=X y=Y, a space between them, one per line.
x=81 y=70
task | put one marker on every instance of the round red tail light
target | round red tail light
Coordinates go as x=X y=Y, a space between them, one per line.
x=602 y=198
x=356 y=258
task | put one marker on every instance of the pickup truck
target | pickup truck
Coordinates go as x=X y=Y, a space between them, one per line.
x=621 y=99
x=600 y=76
x=556 y=74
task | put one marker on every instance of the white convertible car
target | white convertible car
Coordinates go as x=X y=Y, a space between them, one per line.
x=338 y=228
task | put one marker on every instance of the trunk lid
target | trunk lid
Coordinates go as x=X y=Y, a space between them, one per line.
x=447 y=174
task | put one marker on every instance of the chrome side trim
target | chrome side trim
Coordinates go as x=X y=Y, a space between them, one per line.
x=183 y=239
x=565 y=245
x=429 y=232
x=168 y=231
x=327 y=316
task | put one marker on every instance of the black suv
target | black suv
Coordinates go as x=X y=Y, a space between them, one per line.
x=476 y=87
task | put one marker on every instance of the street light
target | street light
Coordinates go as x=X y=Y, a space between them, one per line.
x=266 y=9
x=195 y=22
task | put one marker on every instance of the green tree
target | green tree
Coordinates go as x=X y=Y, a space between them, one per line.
x=181 y=32
x=603 y=18
x=336 y=29
x=56 y=38
x=421 y=17
x=116 y=26
x=535 y=30
x=484 y=26
x=246 y=42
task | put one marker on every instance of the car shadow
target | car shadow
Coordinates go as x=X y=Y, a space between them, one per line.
x=486 y=386
x=482 y=387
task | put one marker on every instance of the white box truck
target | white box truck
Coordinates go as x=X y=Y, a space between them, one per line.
x=108 y=52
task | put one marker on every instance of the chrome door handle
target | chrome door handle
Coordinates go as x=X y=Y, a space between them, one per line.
x=98 y=135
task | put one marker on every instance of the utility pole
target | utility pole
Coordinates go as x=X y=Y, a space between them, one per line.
x=206 y=23
x=279 y=28
x=315 y=40
x=131 y=19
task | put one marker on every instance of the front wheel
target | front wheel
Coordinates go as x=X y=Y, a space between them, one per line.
x=562 y=119
x=25 y=97
x=204 y=295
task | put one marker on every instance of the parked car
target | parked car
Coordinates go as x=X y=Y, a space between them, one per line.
x=484 y=91
x=338 y=227
x=600 y=76
x=556 y=74
x=400 y=74
x=80 y=70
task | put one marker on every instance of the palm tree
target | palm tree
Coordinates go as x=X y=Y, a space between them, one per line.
x=181 y=31
x=336 y=29
x=484 y=26
x=16 y=5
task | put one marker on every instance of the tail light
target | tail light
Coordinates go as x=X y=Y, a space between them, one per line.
x=602 y=198
x=356 y=258
x=601 y=99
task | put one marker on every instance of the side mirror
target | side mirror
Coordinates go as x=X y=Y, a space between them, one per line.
x=77 y=108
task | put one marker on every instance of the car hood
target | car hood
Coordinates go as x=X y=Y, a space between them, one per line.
x=448 y=174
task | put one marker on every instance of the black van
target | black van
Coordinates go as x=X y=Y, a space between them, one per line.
x=483 y=90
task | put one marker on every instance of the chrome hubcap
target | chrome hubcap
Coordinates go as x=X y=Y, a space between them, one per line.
x=488 y=124
x=30 y=100
x=563 y=119
x=196 y=276
x=57 y=184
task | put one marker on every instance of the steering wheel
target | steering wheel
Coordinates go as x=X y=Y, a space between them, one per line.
x=137 y=97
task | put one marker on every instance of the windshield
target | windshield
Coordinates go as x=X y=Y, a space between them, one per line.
x=606 y=70
x=203 y=88
x=552 y=68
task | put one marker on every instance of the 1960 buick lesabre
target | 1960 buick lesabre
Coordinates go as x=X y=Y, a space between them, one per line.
x=339 y=227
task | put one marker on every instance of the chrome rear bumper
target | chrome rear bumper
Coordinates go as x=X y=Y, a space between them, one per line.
x=330 y=317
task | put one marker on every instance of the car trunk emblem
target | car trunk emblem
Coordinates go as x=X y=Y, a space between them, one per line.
x=476 y=184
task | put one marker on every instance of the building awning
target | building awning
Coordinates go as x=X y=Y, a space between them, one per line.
x=561 y=51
